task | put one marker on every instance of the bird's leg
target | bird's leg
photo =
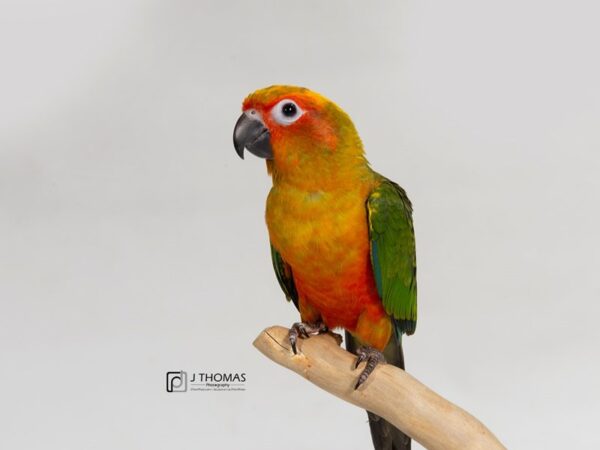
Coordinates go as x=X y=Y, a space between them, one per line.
x=304 y=330
x=373 y=357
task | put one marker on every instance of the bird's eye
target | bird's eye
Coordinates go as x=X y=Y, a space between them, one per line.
x=286 y=112
x=289 y=109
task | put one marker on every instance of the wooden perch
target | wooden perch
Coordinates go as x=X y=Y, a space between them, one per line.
x=389 y=392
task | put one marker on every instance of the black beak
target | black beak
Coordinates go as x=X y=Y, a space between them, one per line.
x=251 y=133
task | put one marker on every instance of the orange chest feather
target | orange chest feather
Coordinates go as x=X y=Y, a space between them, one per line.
x=324 y=238
x=318 y=233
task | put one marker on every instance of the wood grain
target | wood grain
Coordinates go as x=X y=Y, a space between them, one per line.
x=391 y=393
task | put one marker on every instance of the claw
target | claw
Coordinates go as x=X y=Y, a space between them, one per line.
x=361 y=356
x=338 y=337
x=373 y=357
x=304 y=330
x=293 y=336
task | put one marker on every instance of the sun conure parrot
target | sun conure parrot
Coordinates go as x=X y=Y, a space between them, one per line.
x=341 y=235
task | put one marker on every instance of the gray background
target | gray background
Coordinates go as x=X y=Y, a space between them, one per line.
x=132 y=238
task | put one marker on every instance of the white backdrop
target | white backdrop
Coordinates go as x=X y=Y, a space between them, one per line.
x=132 y=238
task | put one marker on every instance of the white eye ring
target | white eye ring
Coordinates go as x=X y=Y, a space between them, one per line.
x=286 y=112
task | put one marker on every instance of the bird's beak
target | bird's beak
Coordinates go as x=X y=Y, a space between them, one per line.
x=250 y=133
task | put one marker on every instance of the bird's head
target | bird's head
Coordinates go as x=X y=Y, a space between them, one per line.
x=299 y=133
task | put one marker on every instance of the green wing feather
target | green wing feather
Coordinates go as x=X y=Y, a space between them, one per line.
x=283 y=271
x=393 y=255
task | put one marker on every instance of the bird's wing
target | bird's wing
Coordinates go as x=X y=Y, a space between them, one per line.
x=284 y=275
x=393 y=255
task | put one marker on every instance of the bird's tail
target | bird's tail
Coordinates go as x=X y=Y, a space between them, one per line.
x=385 y=436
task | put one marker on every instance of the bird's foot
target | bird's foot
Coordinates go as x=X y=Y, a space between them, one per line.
x=373 y=357
x=304 y=330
